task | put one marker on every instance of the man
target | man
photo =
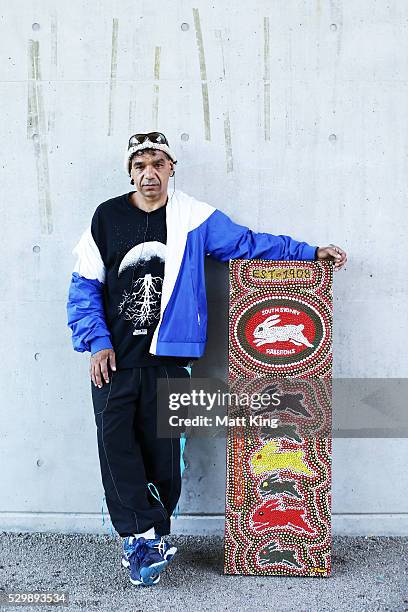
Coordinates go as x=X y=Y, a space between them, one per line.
x=137 y=302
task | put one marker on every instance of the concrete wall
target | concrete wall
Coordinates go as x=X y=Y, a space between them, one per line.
x=290 y=117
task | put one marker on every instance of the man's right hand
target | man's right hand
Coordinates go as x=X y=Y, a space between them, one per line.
x=98 y=369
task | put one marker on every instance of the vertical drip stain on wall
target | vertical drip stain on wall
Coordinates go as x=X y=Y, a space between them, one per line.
x=54 y=40
x=228 y=145
x=54 y=70
x=218 y=36
x=203 y=74
x=113 y=73
x=227 y=123
x=267 y=82
x=132 y=101
x=132 y=109
x=36 y=131
x=155 y=109
x=289 y=94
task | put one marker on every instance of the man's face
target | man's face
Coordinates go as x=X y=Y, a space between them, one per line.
x=150 y=172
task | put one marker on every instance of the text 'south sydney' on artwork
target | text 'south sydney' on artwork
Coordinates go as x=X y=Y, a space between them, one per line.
x=278 y=496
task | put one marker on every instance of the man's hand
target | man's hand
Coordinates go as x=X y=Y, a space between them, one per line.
x=333 y=253
x=98 y=369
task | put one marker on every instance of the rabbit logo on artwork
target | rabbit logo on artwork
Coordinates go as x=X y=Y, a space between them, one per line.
x=280 y=330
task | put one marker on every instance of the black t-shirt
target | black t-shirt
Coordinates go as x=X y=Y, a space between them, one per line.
x=132 y=243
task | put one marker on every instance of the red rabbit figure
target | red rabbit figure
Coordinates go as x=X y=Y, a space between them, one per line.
x=271 y=514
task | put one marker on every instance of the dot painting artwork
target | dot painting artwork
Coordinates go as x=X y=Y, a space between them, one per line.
x=278 y=493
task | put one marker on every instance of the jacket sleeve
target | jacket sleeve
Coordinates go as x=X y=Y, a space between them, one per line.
x=85 y=308
x=226 y=240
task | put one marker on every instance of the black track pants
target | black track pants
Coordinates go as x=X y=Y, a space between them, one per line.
x=130 y=453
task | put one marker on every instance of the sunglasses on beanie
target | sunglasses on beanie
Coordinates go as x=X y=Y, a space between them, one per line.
x=156 y=137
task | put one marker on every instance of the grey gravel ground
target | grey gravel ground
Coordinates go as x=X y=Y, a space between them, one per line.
x=368 y=574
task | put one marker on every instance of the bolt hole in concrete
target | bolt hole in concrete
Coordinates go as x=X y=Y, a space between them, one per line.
x=40 y=462
x=36 y=248
x=36 y=27
x=185 y=27
x=37 y=356
x=184 y=137
x=333 y=27
x=332 y=137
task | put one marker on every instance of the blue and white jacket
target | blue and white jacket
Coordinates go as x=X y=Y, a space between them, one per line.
x=195 y=230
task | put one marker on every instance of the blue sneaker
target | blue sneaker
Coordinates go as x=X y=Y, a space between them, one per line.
x=146 y=559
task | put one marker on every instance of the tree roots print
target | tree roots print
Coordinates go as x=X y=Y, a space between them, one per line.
x=142 y=304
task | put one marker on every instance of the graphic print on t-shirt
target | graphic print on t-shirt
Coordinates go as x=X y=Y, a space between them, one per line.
x=140 y=304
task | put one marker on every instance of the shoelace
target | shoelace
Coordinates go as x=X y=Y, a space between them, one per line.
x=154 y=492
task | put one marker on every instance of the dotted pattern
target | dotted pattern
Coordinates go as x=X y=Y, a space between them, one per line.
x=287 y=530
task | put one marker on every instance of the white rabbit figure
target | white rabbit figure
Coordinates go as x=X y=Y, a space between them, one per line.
x=268 y=333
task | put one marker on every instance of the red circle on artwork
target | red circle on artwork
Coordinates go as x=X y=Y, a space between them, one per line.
x=272 y=329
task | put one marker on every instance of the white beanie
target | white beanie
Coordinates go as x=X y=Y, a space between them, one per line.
x=147 y=144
